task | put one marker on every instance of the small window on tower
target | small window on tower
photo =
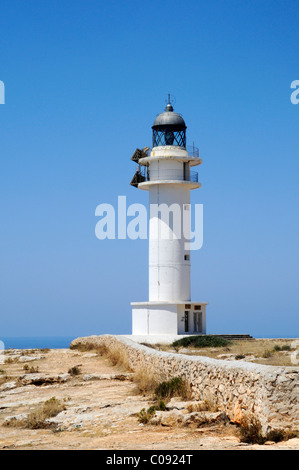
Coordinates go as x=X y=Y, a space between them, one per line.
x=187 y=257
x=197 y=307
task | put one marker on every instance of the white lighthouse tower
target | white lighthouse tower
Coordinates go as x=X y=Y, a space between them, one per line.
x=165 y=173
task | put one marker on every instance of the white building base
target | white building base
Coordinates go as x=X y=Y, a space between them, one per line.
x=168 y=318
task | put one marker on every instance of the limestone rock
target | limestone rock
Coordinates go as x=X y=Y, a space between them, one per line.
x=30 y=358
x=15 y=418
x=171 y=418
x=175 y=404
x=191 y=405
x=95 y=376
x=203 y=418
x=9 y=386
x=176 y=418
x=43 y=379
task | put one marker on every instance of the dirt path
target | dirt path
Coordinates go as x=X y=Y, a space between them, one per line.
x=101 y=404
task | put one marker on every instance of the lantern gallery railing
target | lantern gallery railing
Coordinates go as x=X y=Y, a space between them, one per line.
x=171 y=174
x=145 y=152
x=142 y=174
x=193 y=151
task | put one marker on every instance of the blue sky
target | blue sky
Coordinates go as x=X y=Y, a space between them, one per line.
x=84 y=81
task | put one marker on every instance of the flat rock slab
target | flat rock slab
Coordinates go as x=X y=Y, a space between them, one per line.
x=179 y=418
x=88 y=377
x=9 y=386
x=15 y=418
x=30 y=358
x=43 y=379
x=191 y=405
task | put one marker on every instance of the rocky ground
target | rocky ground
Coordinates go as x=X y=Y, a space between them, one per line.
x=269 y=351
x=99 y=409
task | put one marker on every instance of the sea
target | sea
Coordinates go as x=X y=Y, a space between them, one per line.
x=36 y=342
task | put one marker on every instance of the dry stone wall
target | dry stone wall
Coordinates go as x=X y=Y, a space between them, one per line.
x=268 y=393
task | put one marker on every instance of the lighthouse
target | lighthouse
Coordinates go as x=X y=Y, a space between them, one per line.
x=166 y=172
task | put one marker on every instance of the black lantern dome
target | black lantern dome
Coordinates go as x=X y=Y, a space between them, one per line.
x=169 y=128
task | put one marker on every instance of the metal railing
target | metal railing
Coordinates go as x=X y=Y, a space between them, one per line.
x=193 y=176
x=165 y=175
x=192 y=151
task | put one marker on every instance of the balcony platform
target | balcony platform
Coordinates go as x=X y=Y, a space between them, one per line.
x=188 y=184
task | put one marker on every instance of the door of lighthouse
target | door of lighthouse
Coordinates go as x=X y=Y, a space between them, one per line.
x=197 y=322
x=186 y=321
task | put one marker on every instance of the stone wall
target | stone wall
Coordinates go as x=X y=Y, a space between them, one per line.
x=239 y=388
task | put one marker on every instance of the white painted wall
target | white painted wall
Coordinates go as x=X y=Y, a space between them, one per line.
x=166 y=169
x=154 y=319
x=169 y=272
x=139 y=321
x=164 y=319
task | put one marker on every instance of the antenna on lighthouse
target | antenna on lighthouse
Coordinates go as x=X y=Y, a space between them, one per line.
x=170 y=102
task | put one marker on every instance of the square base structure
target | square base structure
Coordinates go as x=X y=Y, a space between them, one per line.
x=169 y=318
